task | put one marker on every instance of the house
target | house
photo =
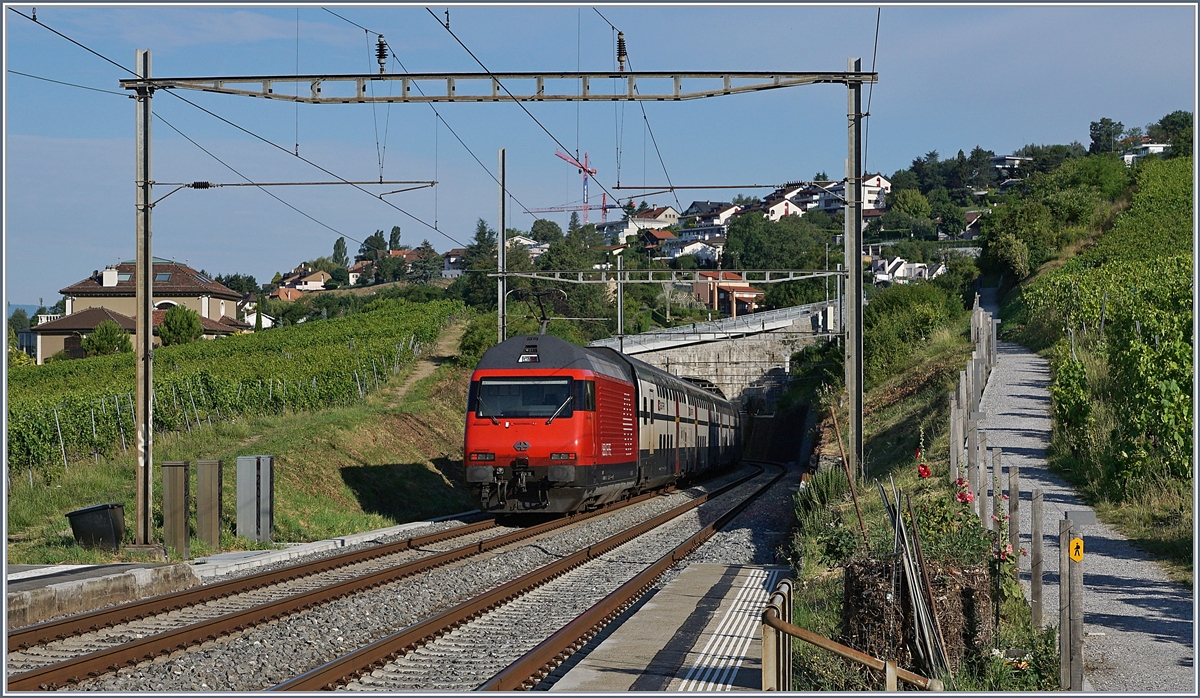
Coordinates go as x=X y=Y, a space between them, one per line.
x=533 y=247
x=1145 y=149
x=727 y=292
x=285 y=293
x=656 y=239
x=777 y=208
x=973 y=219
x=313 y=282
x=174 y=284
x=66 y=334
x=663 y=216
x=876 y=187
x=710 y=213
x=409 y=256
x=707 y=253
x=251 y=319
x=452 y=263
x=617 y=232
x=900 y=271
x=358 y=269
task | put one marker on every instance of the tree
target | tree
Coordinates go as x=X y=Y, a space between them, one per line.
x=427 y=266
x=1009 y=255
x=391 y=269
x=1170 y=126
x=573 y=224
x=340 y=256
x=1105 y=135
x=258 y=313
x=242 y=283
x=16 y=357
x=394 y=238
x=821 y=177
x=739 y=200
x=543 y=230
x=1181 y=144
x=910 y=202
x=643 y=207
x=19 y=320
x=953 y=220
x=372 y=248
x=905 y=179
x=179 y=326
x=107 y=338
x=479 y=258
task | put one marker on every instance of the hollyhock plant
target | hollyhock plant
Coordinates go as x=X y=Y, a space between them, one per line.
x=924 y=471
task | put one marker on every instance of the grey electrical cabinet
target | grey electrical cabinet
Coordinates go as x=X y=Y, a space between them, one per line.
x=256 y=497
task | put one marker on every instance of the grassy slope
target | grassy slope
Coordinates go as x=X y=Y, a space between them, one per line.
x=1160 y=522
x=338 y=471
x=896 y=412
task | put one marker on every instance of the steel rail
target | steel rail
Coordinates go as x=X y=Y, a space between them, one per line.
x=104 y=661
x=543 y=659
x=380 y=652
x=91 y=621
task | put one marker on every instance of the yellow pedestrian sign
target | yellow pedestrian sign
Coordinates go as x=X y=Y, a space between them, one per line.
x=1077 y=549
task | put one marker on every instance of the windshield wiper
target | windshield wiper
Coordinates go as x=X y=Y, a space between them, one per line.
x=560 y=408
x=482 y=407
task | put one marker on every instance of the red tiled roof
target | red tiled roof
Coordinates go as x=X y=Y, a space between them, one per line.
x=652 y=213
x=184 y=281
x=658 y=234
x=87 y=320
x=360 y=266
x=286 y=294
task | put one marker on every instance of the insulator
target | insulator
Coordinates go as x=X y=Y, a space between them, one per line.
x=201 y=185
x=621 y=55
x=381 y=53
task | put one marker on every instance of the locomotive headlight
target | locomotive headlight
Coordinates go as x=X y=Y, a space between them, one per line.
x=562 y=456
x=481 y=456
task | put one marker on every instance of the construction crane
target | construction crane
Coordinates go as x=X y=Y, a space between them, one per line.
x=585 y=170
x=605 y=207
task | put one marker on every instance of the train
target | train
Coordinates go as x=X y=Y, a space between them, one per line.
x=553 y=427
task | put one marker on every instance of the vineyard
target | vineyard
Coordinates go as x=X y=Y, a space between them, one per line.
x=69 y=410
x=1123 y=368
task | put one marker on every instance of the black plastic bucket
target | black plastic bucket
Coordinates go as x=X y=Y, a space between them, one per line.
x=101 y=526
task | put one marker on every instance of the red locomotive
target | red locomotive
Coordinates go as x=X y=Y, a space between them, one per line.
x=555 y=427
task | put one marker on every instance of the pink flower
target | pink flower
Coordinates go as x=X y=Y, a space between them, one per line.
x=918 y=454
x=995 y=518
x=1004 y=497
x=924 y=471
x=961 y=482
x=965 y=497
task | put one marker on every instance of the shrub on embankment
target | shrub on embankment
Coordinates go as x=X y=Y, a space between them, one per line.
x=1117 y=321
x=310 y=366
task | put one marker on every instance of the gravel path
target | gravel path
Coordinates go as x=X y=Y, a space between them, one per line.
x=1139 y=624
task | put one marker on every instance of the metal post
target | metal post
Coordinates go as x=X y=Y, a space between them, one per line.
x=1035 y=559
x=1075 y=578
x=501 y=263
x=953 y=439
x=853 y=260
x=997 y=494
x=176 y=511
x=1064 y=606
x=143 y=310
x=620 y=308
x=208 y=503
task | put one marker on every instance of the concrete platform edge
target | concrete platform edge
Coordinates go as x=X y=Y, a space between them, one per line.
x=79 y=596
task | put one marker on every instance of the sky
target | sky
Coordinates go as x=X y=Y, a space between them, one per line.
x=950 y=78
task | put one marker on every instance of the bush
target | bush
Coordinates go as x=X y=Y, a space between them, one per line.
x=107 y=338
x=179 y=326
x=897 y=319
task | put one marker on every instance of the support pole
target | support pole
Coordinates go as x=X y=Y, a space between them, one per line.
x=501 y=262
x=1064 y=606
x=620 y=308
x=143 y=312
x=853 y=260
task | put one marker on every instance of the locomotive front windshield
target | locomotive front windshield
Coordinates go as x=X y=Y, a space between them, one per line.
x=524 y=397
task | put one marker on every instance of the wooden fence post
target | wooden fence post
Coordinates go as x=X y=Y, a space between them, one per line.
x=997 y=494
x=1014 y=508
x=954 y=441
x=981 y=479
x=1075 y=577
x=1035 y=559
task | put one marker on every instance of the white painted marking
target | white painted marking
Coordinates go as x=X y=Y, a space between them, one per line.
x=46 y=571
x=723 y=654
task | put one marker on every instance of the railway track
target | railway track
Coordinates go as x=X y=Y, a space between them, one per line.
x=515 y=634
x=65 y=651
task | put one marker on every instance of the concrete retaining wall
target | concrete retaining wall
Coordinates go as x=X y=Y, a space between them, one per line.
x=37 y=605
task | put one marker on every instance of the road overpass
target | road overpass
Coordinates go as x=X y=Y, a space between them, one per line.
x=745 y=356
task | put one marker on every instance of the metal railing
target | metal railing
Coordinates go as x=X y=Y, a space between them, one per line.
x=777 y=649
x=716 y=330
